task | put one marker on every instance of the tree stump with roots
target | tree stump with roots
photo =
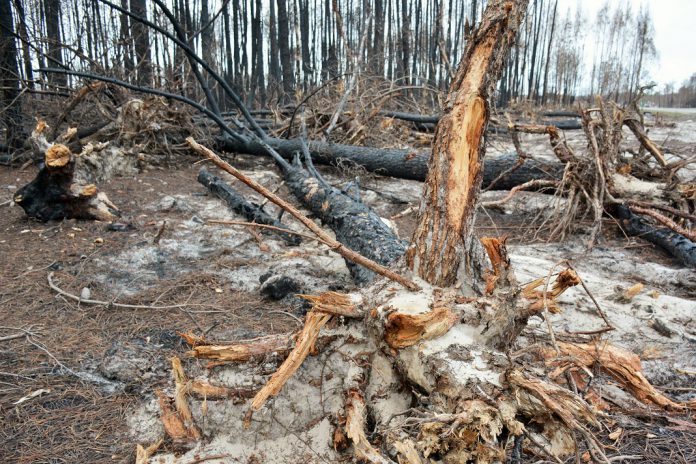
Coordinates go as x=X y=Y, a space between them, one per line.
x=428 y=371
x=55 y=193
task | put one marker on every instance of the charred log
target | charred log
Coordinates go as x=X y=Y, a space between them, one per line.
x=402 y=164
x=241 y=206
x=428 y=122
x=683 y=249
x=355 y=224
x=54 y=193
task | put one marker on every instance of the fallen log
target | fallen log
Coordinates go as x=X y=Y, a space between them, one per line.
x=241 y=206
x=683 y=249
x=362 y=238
x=399 y=163
x=561 y=114
x=428 y=122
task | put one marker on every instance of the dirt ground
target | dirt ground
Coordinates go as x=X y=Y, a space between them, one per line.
x=89 y=369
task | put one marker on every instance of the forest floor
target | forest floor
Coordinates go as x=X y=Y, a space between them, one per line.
x=91 y=370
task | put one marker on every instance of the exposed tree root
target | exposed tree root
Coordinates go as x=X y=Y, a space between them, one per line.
x=619 y=363
x=304 y=345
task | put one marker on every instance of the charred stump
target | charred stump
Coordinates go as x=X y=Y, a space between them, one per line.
x=55 y=194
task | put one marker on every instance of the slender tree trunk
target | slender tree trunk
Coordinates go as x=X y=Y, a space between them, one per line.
x=141 y=38
x=52 y=15
x=126 y=43
x=284 y=45
x=444 y=247
x=24 y=34
x=548 y=54
x=9 y=78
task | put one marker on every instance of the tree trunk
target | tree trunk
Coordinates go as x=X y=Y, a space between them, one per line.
x=24 y=34
x=444 y=248
x=284 y=45
x=141 y=36
x=52 y=16
x=9 y=79
x=402 y=164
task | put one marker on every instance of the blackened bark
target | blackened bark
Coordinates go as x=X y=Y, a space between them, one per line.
x=126 y=41
x=354 y=223
x=24 y=34
x=274 y=65
x=683 y=249
x=141 y=39
x=284 y=45
x=403 y=164
x=55 y=52
x=304 y=38
x=238 y=204
x=9 y=79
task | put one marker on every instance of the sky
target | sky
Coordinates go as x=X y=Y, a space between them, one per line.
x=675 y=35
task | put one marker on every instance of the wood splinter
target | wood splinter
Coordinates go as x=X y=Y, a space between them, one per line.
x=305 y=343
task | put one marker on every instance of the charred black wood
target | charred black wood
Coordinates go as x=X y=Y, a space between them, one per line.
x=561 y=114
x=428 y=122
x=683 y=249
x=54 y=193
x=355 y=224
x=402 y=164
x=238 y=204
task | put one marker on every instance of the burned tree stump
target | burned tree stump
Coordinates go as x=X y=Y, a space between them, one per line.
x=55 y=194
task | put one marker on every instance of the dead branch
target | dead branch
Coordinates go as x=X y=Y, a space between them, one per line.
x=113 y=304
x=240 y=205
x=664 y=220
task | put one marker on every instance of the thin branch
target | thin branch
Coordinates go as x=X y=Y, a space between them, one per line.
x=664 y=220
x=60 y=291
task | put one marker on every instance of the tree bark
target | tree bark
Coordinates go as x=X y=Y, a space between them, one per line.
x=9 y=79
x=238 y=204
x=402 y=164
x=52 y=16
x=141 y=36
x=284 y=45
x=444 y=247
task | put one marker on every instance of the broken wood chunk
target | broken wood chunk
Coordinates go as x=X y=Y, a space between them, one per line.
x=402 y=330
x=172 y=422
x=181 y=389
x=242 y=352
x=356 y=421
x=338 y=304
x=621 y=364
x=565 y=279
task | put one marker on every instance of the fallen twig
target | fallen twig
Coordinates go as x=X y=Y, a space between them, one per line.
x=62 y=292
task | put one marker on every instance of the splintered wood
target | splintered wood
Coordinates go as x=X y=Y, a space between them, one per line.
x=565 y=279
x=305 y=343
x=338 y=304
x=356 y=420
x=619 y=363
x=239 y=352
x=181 y=389
x=402 y=330
x=498 y=255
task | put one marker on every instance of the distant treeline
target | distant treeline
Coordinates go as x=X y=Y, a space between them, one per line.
x=275 y=51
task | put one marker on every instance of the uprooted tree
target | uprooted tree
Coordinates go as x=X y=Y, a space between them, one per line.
x=437 y=366
x=432 y=368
